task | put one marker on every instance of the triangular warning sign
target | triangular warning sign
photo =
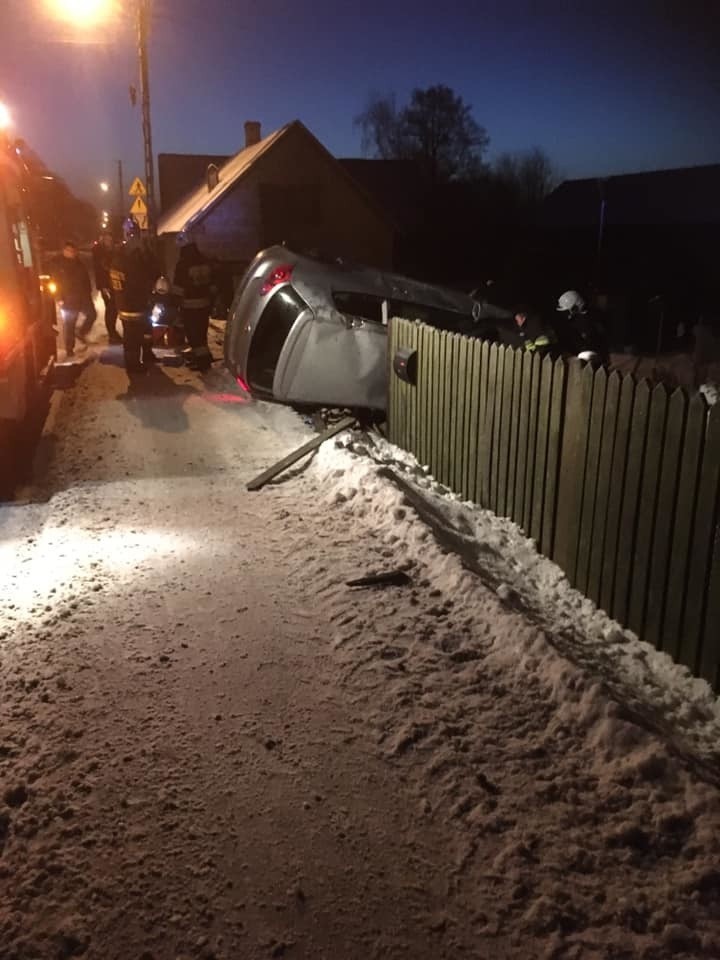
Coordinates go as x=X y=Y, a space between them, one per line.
x=139 y=206
x=142 y=221
x=138 y=188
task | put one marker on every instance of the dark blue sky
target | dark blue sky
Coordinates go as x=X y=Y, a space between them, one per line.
x=603 y=87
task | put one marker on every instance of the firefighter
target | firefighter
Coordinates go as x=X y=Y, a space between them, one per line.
x=102 y=259
x=192 y=284
x=133 y=272
x=579 y=334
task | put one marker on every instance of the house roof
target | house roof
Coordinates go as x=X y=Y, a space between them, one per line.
x=200 y=201
x=687 y=195
x=193 y=207
x=179 y=173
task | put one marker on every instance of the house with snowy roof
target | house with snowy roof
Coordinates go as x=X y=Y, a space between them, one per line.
x=283 y=188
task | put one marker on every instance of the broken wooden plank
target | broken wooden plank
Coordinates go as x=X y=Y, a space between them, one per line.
x=267 y=475
x=391 y=578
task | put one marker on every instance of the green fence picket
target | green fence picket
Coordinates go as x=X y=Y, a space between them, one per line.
x=710 y=652
x=665 y=518
x=616 y=494
x=533 y=408
x=488 y=420
x=647 y=507
x=556 y=428
x=592 y=468
x=518 y=513
x=413 y=342
x=631 y=498
x=514 y=432
x=603 y=491
x=702 y=545
x=572 y=467
x=458 y=424
x=473 y=421
x=436 y=403
x=504 y=434
x=690 y=463
x=541 y=448
x=392 y=388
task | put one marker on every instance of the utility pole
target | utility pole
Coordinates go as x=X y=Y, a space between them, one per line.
x=121 y=192
x=143 y=23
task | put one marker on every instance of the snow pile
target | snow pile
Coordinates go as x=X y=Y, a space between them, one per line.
x=664 y=692
x=578 y=766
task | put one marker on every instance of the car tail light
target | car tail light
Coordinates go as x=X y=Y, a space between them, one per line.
x=242 y=384
x=281 y=274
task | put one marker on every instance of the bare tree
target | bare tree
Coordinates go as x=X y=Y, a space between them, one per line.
x=530 y=175
x=382 y=129
x=436 y=128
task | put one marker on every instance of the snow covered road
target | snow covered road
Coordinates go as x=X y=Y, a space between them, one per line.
x=210 y=747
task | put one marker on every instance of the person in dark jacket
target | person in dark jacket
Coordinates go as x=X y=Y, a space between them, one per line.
x=526 y=331
x=74 y=296
x=102 y=258
x=192 y=285
x=133 y=272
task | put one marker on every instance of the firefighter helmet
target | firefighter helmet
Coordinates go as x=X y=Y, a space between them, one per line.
x=571 y=302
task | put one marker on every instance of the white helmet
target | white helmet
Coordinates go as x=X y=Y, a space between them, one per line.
x=571 y=301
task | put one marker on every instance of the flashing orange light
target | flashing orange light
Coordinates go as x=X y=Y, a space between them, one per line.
x=52 y=287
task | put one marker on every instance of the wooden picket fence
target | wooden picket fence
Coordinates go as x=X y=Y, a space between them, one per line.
x=616 y=481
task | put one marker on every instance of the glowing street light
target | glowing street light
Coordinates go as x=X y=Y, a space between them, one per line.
x=88 y=13
x=5 y=118
x=104 y=186
x=82 y=13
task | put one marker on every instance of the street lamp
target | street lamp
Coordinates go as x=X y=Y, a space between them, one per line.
x=104 y=186
x=82 y=13
x=88 y=13
x=5 y=118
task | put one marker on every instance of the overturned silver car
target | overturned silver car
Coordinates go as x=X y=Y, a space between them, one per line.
x=313 y=333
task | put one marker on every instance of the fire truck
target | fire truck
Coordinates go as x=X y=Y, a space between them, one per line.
x=27 y=308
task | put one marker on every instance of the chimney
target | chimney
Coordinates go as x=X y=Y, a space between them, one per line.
x=252 y=133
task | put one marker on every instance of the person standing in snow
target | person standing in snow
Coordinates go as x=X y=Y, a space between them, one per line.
x=102 y=259
x=74 y=296
x=133 y=272
x=192 y=284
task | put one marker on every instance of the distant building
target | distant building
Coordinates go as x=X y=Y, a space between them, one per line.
x=285 y=188
x=654 y=229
